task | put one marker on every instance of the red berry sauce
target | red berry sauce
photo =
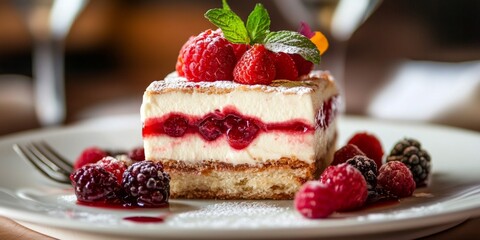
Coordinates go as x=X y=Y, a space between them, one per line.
x=240 y=130
x=327 y=112
x=116 y=205
x=144 y=219
x=106 y=205
x=381 y=204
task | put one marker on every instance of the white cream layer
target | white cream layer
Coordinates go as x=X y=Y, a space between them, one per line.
x=270 y=104
x=267 y=146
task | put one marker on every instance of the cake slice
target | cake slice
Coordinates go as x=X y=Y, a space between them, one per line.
x=226 y=140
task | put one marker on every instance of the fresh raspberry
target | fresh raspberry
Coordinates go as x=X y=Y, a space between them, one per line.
x=255 y=67
x=285 y=67
x=367 y=167
x=239 y=49
x=346 y=152
x=209 y=57
x=409 y=151
x=370 y=145
x=137 y=154
x=348 y=184
x=89 y=155
x=303 y=66
x=315 y=200
x=175 y=126
x=146 y=184
x=179 y=64
x=114 y=166
x=93 y=183
x=396 y=178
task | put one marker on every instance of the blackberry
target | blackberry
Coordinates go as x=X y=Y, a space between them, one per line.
x=146 y=184
x=93 y=183
x=402 y=144
x=367 y=167
x=410 y=152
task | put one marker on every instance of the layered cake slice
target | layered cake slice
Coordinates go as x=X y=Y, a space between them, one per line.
x=243 y=116
x=227 y=140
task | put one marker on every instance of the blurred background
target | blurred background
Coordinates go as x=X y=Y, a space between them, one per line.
x=404 y=59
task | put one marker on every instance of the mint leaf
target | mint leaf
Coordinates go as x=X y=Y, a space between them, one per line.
x=231 y=24
x=225 y=5
x=258 y=23
x=292 y=42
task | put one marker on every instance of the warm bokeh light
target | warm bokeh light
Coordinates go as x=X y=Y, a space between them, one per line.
x=116 y=48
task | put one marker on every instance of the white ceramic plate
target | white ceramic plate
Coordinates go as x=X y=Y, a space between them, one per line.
x=452 y=196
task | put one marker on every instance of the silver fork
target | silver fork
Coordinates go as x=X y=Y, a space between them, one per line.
x=41 y=156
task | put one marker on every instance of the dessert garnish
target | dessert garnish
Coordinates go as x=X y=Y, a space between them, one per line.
x=350 y=187
x=92 y=183
x=369 y=144
x=89 y=155
x=255 y=67
x=314 y=200
x=125 y=180
x=398 y=178
x=341 y=187
x=206 y=57
x=316 y=37
x=257 y=31
x=248 y=53
x=146 y=184
x=346 y=152
x=114 y=166
x=367 y=167
x=410 y=152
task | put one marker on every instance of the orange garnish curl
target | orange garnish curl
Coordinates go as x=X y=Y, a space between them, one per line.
x=320 y=41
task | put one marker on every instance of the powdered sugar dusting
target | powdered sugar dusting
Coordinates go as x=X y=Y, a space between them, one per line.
x=173 y=81
x=240 y=214
x=407 y=213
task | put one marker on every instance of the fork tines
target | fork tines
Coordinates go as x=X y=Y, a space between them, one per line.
x=46 y=160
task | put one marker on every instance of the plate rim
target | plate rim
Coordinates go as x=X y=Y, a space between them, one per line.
x=433 y=219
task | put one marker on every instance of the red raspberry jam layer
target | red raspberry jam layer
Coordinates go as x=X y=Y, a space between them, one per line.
x=327 y=112
x=240 y=130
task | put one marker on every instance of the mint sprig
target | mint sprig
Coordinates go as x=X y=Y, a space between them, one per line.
x=225 y=5
x=258 y=23
x=257 y=31
x=231 y=24
x=294 y=43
